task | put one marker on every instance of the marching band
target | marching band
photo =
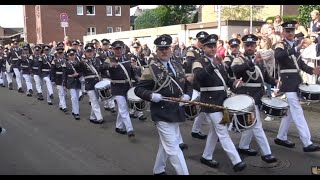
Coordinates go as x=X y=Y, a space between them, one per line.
x=228 y=92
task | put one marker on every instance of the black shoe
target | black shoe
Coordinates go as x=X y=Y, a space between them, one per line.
x=113 y=110
x=107 y=108
x=248 y=152
x=311 y=148
x=51 y=96
x=131 y=135
x=76 y=116
x=65 y=110
x=50 y=103
x=198 y=135
x=90 y=103
x=96 y=122
x=10 y=86
x=142 y=118
x=61 y=109
x=133 y=116
x=240 y=166
x=121 y=131
x=84 y=93
x=284 y=143
x=269 y=158
x=211 y=163
x=73 y=114
x=30 y=91
x=29 y=94
x=183 y=146
x=20 y=90
x=162 y=173
x=81 y=97
x=2 y=85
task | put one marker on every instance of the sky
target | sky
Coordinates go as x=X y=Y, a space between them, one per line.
x=16 y=14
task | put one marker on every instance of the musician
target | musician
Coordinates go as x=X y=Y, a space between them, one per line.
x=71 y=81
x=165 y=77
x=214 y=81
x=35 y=61
x=26 y=70
x=2 y=67
x=109 y=104
x=196 y=53
x=57 y=66
x=139 y=60
x=75 y=45
x=13 y=56
x=254 y=76
x=288 y=58
x=121 y=73
x=45 y=72
x=234 y=45
x=90 y=68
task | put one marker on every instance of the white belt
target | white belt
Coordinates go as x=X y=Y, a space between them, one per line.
x=251 y=84
x=14 y=59
x=119 y=81
x=47 y=70
x=90 y=76
x=25 y=66
x=59 y=72
x=289 y=71
x=216 y=88
x=34 y=67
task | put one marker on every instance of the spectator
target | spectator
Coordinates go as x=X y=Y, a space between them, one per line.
x=315 y=24
x=220 y=49
x=258 y=31
x=245 y=31
x=258 y=43
x=182 y=50
x=146 y=50
x=277 y=25
x=300 y=33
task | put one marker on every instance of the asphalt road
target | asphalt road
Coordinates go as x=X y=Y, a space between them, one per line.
x=41 y=139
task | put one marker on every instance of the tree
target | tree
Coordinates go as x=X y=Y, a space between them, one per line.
x=239 y=12
x=151 y=18
x=304 y=13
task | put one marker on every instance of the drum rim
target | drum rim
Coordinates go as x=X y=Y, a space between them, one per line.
x=134 y=100
x=287 y=105
x=253 y=104
x=310 y=92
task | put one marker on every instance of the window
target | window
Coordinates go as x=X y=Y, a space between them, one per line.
x=118 y=29
x=91 y=31
x=109 y=10
x=109 y=30
x=118 y=10
x=79 y=10
x=90 y=10
x=216 y=8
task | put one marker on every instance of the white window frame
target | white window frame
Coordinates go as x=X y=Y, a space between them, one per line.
x=111 y=29
x=94 y=10
x=110 y=14
x=118 y=28
x=115 y=8
x=91 y=32
x=78 y=7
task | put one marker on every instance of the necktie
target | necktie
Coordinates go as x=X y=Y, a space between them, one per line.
x=170 y=69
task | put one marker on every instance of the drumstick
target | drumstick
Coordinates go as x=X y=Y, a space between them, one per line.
x=278 y=84
x=239 y=82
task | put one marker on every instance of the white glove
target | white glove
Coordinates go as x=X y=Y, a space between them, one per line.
x=184 y=97
x=156 y=97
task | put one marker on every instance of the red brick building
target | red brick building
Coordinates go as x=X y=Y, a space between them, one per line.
x=42 y=22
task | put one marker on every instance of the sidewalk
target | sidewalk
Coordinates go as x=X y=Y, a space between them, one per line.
x=312 y=115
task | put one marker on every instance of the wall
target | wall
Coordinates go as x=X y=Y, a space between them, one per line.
x=30 y=23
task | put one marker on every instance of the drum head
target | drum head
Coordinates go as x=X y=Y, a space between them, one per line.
x=312 y=88
x=132 y=96
x=102 y=84
x=238 y=102
x=195 y=95
x=274 y=102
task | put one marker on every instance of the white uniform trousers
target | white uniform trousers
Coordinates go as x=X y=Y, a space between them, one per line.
x=27 y=78
x=2 y=78
x=38 y=83
x=83 y=89
x=169 y=148
x=198 y=122
x=296 y=115
x=258 y=132
x=49 y=87
x=62 y=99
x=9 y=77
x=219 y=131
x=95 y=107
x=74 y=94
x=109 y=103
x=18 y=77
x=123 y=117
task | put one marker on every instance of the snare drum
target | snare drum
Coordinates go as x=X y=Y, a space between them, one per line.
x=191 y=111
x=134 y=102
x=103 y=89
x=310 y=92
x=241 y=121
x=274 y=106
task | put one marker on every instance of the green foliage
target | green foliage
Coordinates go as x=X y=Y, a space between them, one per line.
x=304 y=13
x=165 y=15
x=284 y=18
x=239 y=12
